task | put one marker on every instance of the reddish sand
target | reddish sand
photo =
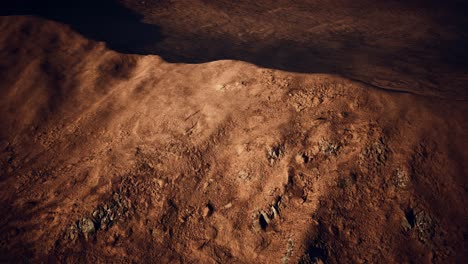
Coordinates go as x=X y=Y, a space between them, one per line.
x=107 y=157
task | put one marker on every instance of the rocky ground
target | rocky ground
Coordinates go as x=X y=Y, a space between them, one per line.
x=129 y=158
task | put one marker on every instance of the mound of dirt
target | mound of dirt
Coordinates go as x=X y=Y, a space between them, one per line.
x=128 y=158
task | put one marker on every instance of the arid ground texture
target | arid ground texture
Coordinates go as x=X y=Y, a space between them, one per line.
x=203 y=131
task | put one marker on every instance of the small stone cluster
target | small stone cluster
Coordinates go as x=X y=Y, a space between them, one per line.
x=377 y=152
x=102 y=218
x=275 y=153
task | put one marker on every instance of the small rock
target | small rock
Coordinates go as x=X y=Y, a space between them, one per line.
x=275 y=153
x=160 y=182
x=105 y=223
x=315 y=101
x=275 y=212
x=400 y=178
x=86 y=226
x=207 y=211
x=299 y=159
x=72 y=232
x=264 y=220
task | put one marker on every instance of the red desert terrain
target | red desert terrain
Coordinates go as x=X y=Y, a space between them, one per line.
x=203 y=131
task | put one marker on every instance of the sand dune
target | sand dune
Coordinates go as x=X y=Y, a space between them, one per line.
x=113 y=157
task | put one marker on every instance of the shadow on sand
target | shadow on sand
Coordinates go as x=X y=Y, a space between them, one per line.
x=100 y=20
x=348 y=54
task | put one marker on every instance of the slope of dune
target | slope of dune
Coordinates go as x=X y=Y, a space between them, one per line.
x=129 y=158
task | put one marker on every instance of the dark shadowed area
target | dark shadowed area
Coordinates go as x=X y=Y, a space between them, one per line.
x=103 y=20
x=416 y=46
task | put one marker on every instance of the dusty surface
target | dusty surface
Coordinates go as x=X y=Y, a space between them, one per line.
x=113 y=157
x=415 y=46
